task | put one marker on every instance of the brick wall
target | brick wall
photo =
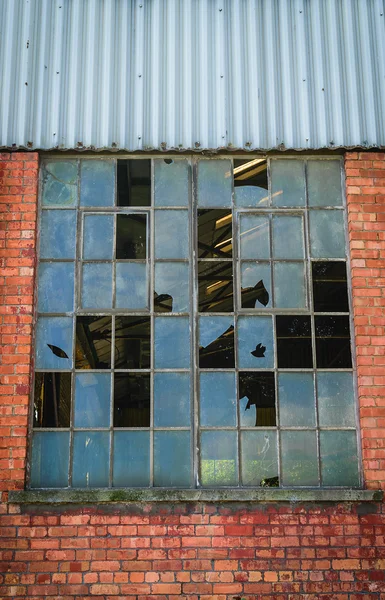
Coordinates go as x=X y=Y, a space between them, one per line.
x=196 y=551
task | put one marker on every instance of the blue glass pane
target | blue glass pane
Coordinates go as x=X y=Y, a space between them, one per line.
x=97 y=285
x=289 y=285
x=131 y=459
x=217 y=404
x=50 y=458
x=219 y=461
x=288 y=237
x=171 y=234
x=339 y=460
x=327 y=233
x=299 y=458
x=56 y=287
x=296 y=399
x=172 y=460
x=172 y=343
x=250 y=196
x=255 y=342
x=214 y=183
x=256 y=285
x=324 y=183
x=171 y=182
x=91 y=459
x=98 y=237
x=97 y=182
x=57 y=234
x=216 y=342
x=288 y=182
x=172 y=400
x=92 y=400
x=335 y=399
x=259 y=462
x=171 y=287
x=60 y=183
x=54 y=337
x=131 y=285
x=255 y=237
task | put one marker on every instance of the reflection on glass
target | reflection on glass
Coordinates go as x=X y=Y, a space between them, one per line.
x=259 y=462
x=217 y=403
x=54 y=343
x=255 y=342
x=288 y=182
x=56 y=287
x=219 y=460
x=172 y=462
x=256 y=285
x=172 y=400
x=339 y=460
x=131 y=466
x=131 y=239
x=254 y=236
x=289 y=285
x=60 y=183
x=216 y=343
x=132 y=342
x=215 y=233
x=294 y=348
x=50 y=459
x=92 y=400
x=172 y=343
x=91 y=458
x=215 y=280
x=171 y=287
x=57 y=234
x=257 y=399
x=171 y=182
x=324 y=182
x=134 y=182
x=93 y=342
x=171 y=234
x=132 y=400
x=299 y=458
x=97 y=182
x=330 y=291
x=327 y=235
x=52 y=400
x=98 y=237
x=335 y=399
x=296 y=400
x=214 y=183
x=97 y=285
x=131 y=286
x=288 y=237
x=250 y=183
x=332 y=340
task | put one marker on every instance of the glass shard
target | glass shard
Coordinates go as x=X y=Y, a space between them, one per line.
x=333 y=342
x=134 y=182
x=132 y=342
x=216 y=343
x=257 y=399
x=259 y=462
x=215 y=280
x=52 y=400
x=131 y=238
x=93 y=342
x=132 y=400
x=294 y=346
x=219 y=461
x=215 y=233
x=330 y=290
x=92 y=406
x=250 y=183
x=97 y=182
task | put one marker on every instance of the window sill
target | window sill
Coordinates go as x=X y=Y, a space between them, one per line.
x=98 y=496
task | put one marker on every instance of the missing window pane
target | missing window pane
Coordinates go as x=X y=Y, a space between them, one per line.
x=215 y=233
x=134 y=183
x=131 y=239
x=330 y=291
x=257 y=398
x=294 y=348
x=132 y=342
x=250 y=182
x=52 y=400
x=132 y=400
x=215 y=286
x=333 y=342
x=93 y=342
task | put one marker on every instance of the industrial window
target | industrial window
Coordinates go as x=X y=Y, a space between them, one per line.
x=193 y=325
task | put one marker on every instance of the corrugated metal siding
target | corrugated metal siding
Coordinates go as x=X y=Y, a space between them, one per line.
x=192 y=74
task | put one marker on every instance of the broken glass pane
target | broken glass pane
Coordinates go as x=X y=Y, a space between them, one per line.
x=335 y=399
x=171 y=287
x=333 y=342
x=171 y=234
x=57 y=234
x=131 y=238
x=296 y=400
x=299 y=458
x=257 y=399
x=330 y=291
x=93 y=343
x=50 y=459
x=250 y=183
x=324 y=182
x=172 y=400
x=327 y=233
x=294 y=346
x=256 y=285
x=289 y=285
x=219 y=460
x=172 y=460
x=259 y=462
x=172 y=343
x=132 y=400
x=254 y=236
x=97 y=285
x=171 y=182
x=217 y=400
x=92 y=400
x=134 y=182
x=98 y=237
x=131 y=459
x=54 y=338
x=215 y=280
x=131 y=286
x=60 y=183
x=216 y=343
x=91 y=458
x=52 y=400
x=214 y=183
x=56 y=287
x=255 y=342
x=288 y=182
x=339 y=461
x=288 y=237
x=215 y=233
x=97 y=182
x=132 y=342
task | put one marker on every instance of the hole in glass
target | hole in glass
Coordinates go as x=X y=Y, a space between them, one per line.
x=219 y=353
x=251 y=295
x=215 y=236
x=132 y=342
x=330 y=291
x=215 y=286
x=134 y=182
x=162 y=302
x=294 y=347
x=259 y=389
x=168 y=161
x=333 y=342
x=132 y=400
x=52 y=400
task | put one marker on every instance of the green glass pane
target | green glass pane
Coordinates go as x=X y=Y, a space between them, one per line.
x=339 y=461
x=335 y=399
x=299 y=458
x=219 y=461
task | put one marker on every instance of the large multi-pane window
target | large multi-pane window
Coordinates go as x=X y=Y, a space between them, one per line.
x=193 y=325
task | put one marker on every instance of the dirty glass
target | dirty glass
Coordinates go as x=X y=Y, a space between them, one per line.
x=90 y=466
x=215 y=233
x=215 y=280
x=330 y=288
x=335 y=399
x=131 y=238
x=294 y=342
x=219 y=461
x=327 y=234
x=214 y=183
x=255 y=342
x=92 y=400
x=97 y=285
x=98 y=236
x=216 y=342
x=50 y=459
x=58 y=234
x=217 y=400
x=93 y=342
x=134 y=182
x=320 y=193
x=254 y=236
x=131 y=466
x=256 y=392
x=172 y=343
x=60 y=183
x=172 y=399
x=132 y=400
x=299 y=458
x=250 y=183
x=289 y=285
x=172 y=287
x=131 y=286
x=259 y=458
x=288 y=183
x=132 y=342
x=171 y=182
x=172 y=461
x=56 y=287
x=339 y=459
x=171 y=242
x=296 y=400
x=97 y=178
x=256 y=285
x=52 y=400
x=332 y=341
x=53 y=343
x=288 y=237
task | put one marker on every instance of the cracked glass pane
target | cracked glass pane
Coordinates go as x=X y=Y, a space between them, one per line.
x=134 y=182
x=50 y=459
x=259 y=458
x=255 y=342
x=92 y=406
x=54 y=336
x=171 y=182
x=60 y=183
x=52 y=400
x=93 y=342
x=215 y=280
x=172 y=287
x=132 y=399
x=97 y=179
x=216 y=343
x=256 y=392
x=219 y=460
x=215 y=233
x=217 y=400
x=256 y=285
x=131 y=466
x=250 y=183
x=132 y=342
